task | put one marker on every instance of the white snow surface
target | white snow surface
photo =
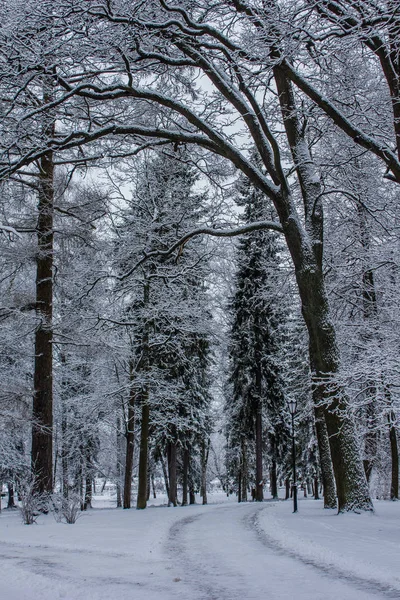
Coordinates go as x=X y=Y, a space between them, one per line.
x=222 y=551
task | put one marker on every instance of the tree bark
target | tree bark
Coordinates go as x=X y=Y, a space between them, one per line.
x=273 y=474
x=259 y=457
x=325 y=461
x=205 y=448
x=88 y=477
x=185 y=478
x=370 y=313
x=11 y=502
x=130 y=433
x=394 y=451
x=316 y=493
x=171 y=453
x=306 y=249
x=42 y=413
x=243 y=471
x=165 y=473
x=64 y=450
x=143 y=455
x=287 y=488
x=119 y=461
x=144 y=430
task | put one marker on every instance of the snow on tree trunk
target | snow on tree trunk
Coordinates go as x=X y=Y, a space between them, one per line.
x=325 y=460
x=130 y=425
x=143 y=454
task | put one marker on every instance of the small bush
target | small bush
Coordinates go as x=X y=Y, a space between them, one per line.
x=68 y=509
x=32 y=502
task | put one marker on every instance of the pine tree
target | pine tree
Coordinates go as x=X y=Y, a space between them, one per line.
x=166 y=300
x=257 y=402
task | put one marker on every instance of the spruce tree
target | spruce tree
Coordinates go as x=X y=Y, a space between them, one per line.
x=257 y=403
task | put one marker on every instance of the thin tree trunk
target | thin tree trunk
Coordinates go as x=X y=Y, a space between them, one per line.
x=119 y=461
x=88 y=477
x=165 y=473
x=171 y=453
x=287 y=488
x=371 y=436
x=259 y=456
x=205 y=448
x=370 y=313
x=130 y=434
x=394 y=451
x=316 y=494
x=273 y=474
x=185 y=478
x=64 y=449
x=244 y=471
x=11 y=502
x=42 y=413
x=145 y=417
x=143 y=454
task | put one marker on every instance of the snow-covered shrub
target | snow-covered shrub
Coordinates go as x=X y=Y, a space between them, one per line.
x=66 y=510
x=32 y=502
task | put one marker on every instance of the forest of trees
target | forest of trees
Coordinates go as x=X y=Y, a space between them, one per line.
x=199 y=224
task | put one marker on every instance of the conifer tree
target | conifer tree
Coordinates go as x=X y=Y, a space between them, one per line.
x=166 y=307
x=257 y=402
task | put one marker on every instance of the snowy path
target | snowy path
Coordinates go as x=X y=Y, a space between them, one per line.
x=218 y=552
x=223 y=555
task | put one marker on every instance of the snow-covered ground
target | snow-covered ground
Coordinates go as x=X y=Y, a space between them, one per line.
x=223 y=551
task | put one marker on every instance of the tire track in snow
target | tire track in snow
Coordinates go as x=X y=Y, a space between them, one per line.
x=251 y=521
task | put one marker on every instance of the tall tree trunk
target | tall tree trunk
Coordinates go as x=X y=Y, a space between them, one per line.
x=394 y=451
x=11 y=502
x=273 y=474
x=88 y=477
x=153 y=485
x=119 y=461
x=371 y=436
x=42 y=413
x=306 y=248
x=287 y=488
x=185 y=478
x=370 y=313
x=259 y=456
x=143 y=454
x=165 y=473
x=148 y=482
x=144 y=429
x=64 y=450
x=205 y=448
x=243 y=470
x=130 y=433
x=171 y=453
x=325 y=461
x=79 y=479
x=315 y=490
x=274 y=480
x=192 y=495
